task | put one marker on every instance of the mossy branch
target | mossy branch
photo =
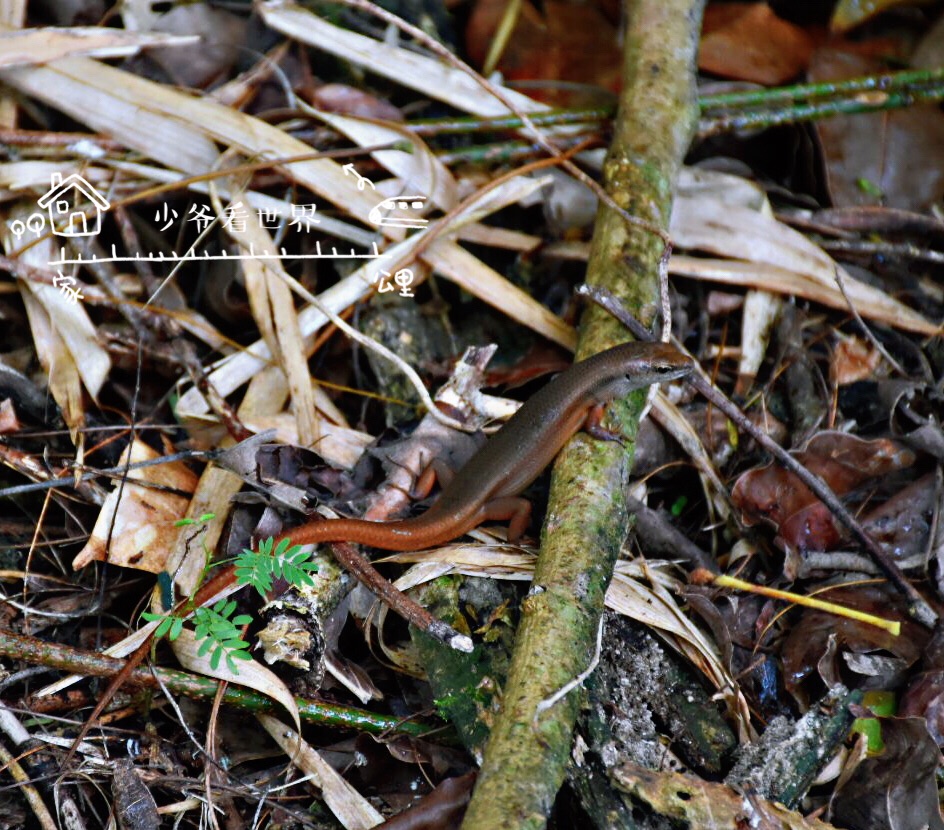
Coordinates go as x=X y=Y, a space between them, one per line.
x=524 y=765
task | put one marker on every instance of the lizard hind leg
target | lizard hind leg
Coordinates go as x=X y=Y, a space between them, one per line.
x=512 y=509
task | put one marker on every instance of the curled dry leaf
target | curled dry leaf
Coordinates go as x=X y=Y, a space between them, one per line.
x=136 y=526
x=853 y=359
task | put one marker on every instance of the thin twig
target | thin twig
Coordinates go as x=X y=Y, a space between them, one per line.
x=55 y=483
x=837 y=275
x=906 y=250
x=414 y=613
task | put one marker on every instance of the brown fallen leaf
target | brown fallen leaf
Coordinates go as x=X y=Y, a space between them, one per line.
x=135 y=808
x=749 y=42
x=819 y=641
x=349 y=100
x=891 y=158
x=895 y=790
x=443 y=807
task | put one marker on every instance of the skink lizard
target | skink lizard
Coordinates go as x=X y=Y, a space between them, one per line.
x=486 y=488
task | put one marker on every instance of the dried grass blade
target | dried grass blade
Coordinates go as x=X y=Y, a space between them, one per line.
x=772 y=257
x=420 y=171
x=177 y=129
x=427 y=75
x=29 y=47
x=870 y=302
x=468 y=271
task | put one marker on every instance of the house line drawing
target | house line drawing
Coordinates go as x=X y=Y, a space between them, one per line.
x=62 y=200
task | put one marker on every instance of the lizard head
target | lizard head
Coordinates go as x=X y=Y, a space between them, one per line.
x=637 y=365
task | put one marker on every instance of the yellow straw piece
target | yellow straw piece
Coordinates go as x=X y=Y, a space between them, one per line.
x=723 y=581
x=501 y=37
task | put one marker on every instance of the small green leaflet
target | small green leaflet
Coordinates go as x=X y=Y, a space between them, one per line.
x=170 y=626
x=287 y=561
x=221 y=635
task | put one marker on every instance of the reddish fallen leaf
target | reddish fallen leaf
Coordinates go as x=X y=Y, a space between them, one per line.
x=844 y=462
x=811 y=528
x=853 y=359
x=749 y=42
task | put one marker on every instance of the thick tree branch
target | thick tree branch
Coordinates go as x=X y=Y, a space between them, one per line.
x=524 y=763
